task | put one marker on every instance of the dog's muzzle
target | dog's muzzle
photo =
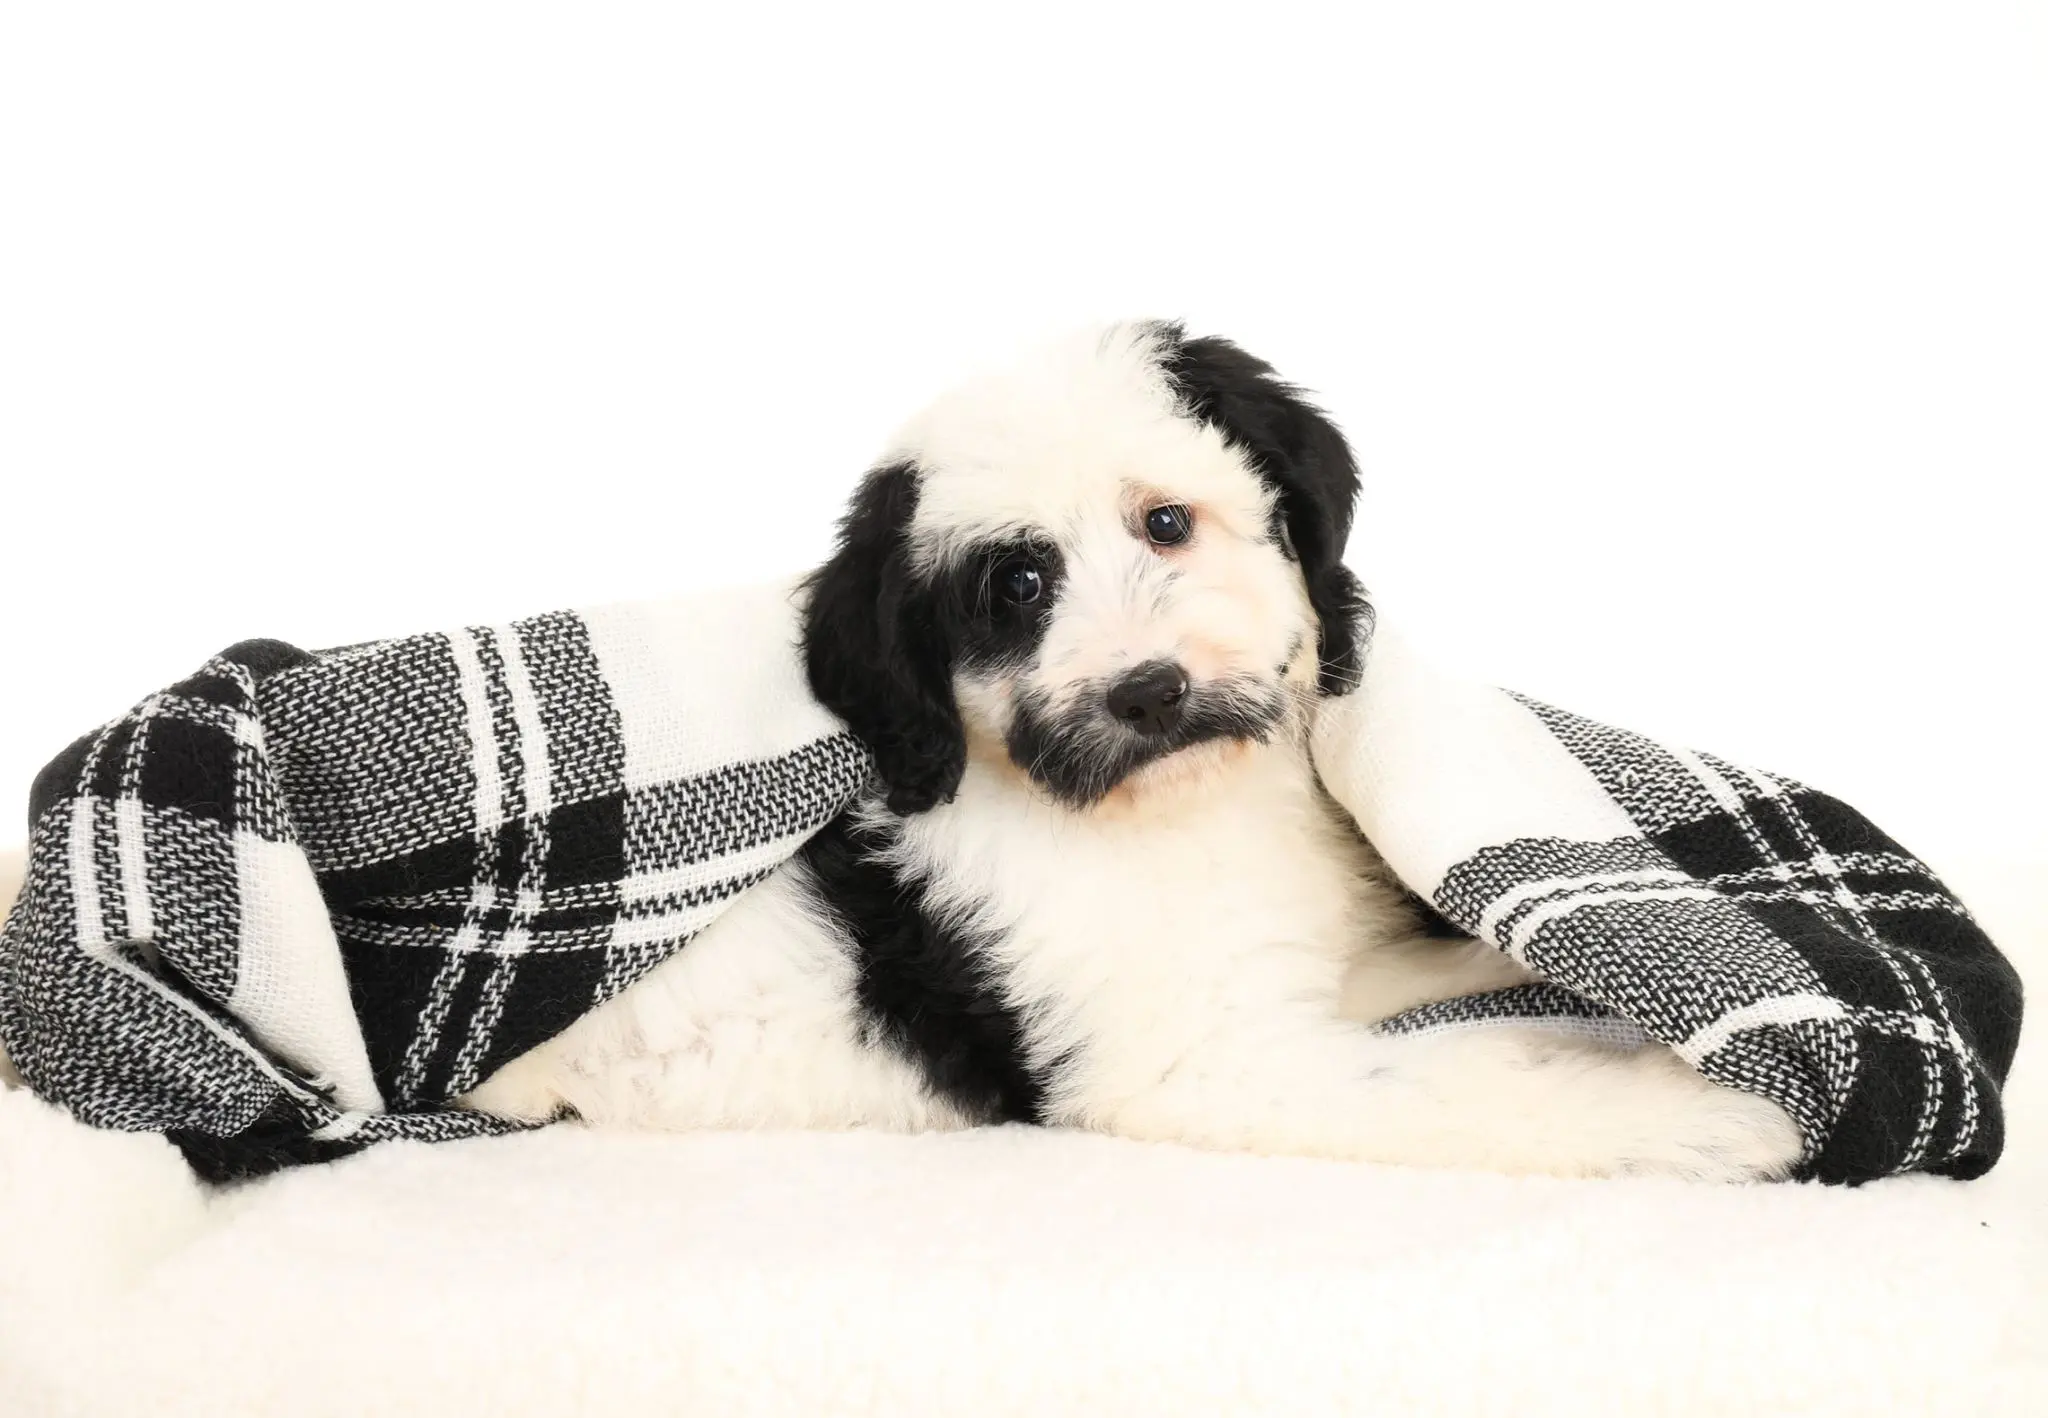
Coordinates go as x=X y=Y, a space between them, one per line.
x=1080 y=754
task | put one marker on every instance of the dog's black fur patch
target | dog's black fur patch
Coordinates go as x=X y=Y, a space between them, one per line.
x=988 y=630
x=1294 y=447
x=925 y=986
x=877 y=652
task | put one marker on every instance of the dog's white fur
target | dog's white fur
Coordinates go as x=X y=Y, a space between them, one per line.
x=1195 y=954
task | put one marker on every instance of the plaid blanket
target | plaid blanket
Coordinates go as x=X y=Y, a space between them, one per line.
x=297 y=903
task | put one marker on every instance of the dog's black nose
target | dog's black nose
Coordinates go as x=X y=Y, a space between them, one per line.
x=1149 y=697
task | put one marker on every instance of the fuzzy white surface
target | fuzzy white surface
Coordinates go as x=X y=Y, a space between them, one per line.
x=1009 y=1270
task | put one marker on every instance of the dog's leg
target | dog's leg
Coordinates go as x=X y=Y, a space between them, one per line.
x=1504 y=1099
x=753 y=1024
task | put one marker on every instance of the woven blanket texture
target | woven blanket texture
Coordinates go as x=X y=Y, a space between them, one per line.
x=296 y=904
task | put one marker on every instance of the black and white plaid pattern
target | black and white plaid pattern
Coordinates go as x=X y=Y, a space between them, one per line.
x=1772 y=936
x=296 y=904
x=450 y=833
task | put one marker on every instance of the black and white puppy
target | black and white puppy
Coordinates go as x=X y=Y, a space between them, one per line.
x=1083 y=614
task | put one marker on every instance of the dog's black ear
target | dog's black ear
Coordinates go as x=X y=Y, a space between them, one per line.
x=876 y=653
x=1292 y=445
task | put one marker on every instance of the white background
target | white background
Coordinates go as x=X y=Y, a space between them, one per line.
x=1696 y=354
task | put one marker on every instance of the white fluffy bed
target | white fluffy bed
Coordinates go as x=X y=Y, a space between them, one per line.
x=1009 y=1270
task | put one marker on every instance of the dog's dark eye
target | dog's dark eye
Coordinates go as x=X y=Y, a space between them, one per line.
x=1169 y=526
x=1020 y=582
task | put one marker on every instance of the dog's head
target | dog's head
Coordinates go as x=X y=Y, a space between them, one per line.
x=1125 y=554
